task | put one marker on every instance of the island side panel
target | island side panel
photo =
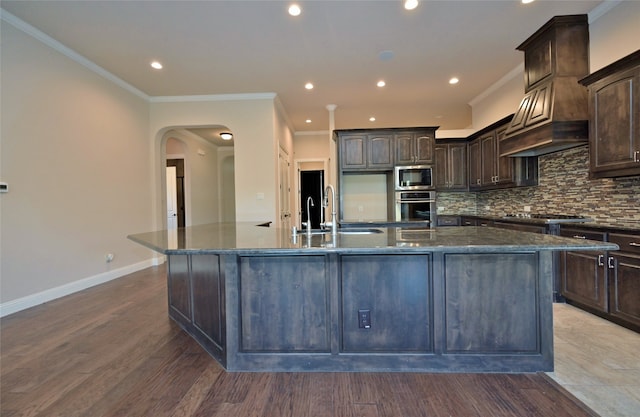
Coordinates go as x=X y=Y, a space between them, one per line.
x=499 y=304
x=395 y=291
x=208 y=297
x=284 y=304
x=197 y=301
x=179 y=288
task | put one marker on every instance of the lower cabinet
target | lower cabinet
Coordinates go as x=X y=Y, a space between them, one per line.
x=624 y=279
x=583 y=275
x=605 y=283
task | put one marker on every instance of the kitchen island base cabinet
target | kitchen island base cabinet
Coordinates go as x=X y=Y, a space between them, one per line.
x=428 y=312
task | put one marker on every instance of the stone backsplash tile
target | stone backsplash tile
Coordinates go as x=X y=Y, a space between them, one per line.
x=564 y=187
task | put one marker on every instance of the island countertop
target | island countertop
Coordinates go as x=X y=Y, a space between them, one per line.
x=249 y=237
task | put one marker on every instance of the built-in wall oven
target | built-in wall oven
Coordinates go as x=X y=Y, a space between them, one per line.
x=416 y=206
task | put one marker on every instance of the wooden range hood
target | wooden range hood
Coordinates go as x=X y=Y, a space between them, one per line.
x=553 y=115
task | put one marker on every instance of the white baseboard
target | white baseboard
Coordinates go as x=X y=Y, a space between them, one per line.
x=23 y=303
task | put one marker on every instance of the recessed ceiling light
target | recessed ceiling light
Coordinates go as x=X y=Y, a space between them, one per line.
x=226 y=136
x=454 y=80
x=308 y=86
x=381 y=83
x=410 y=4
x=308 y=121
x=156 y=65
x=294 y=10
x=527 y=1
x=372 y=119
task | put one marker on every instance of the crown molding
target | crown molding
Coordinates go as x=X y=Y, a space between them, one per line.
x=213 y=97
x=68 y=52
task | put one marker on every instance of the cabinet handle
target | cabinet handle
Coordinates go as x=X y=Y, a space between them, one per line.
x=636 y=156
x=600 y=260
x=611 y=263
x=637 y=245
x=580 y=237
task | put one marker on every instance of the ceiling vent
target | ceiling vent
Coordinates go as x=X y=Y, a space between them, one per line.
x=553 y=115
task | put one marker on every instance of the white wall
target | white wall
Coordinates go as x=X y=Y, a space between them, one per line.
x=252 y=124
x=614 y=34
x=75 y=154
x=201 y=178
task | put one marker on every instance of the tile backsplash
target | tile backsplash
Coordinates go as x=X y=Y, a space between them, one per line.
x=564 y=187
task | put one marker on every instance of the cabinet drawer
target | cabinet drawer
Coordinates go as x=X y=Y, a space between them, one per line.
x=628 y=243
x=582 y=234
x=448 y=221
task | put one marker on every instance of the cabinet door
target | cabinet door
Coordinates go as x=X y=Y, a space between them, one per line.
x=404 y=148
x=583 y=278
x=505 y=172
x=380 y=151
x=614 y=123
x=625 y=288
x=488 y=151
x=458 y=166
x=353 y=152
x=475 y=166
x=423 y=146
x=441 y=168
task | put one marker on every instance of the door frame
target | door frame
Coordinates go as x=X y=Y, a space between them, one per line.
x=298 y=164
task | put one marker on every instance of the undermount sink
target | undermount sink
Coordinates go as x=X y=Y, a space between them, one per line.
x=343 y=231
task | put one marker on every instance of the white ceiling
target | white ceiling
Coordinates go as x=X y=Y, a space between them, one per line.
x=247 y=47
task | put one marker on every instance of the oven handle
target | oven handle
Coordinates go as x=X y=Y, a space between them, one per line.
x=415 y=201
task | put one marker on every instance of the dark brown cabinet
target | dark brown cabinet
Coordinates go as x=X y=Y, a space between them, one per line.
x=624 y=278
x=451 y=166
x=583 y=275
x=366 y=152
x=487 y=169
x=614 y=118
x=605 y=283
x=414 y=148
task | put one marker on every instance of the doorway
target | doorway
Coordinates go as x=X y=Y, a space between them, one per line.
x=175 y=167
x=311 y=185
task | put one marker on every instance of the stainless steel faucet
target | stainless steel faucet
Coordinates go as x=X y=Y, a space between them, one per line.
x=333 y=224
x=309 y=205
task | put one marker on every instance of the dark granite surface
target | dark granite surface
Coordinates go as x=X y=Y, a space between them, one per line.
x=621 y=225
x=249 y=238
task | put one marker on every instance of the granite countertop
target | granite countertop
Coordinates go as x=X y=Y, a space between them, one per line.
x=622 y=225
x=250 y=238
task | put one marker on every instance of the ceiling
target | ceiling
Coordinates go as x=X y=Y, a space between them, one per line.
x=252 y=47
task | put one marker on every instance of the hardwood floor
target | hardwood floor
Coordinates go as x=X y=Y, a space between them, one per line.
x=112 y=351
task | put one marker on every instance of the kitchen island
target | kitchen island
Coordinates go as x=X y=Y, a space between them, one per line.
x=455 y=299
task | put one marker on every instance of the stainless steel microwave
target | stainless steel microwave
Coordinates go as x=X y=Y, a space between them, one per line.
x=413 y=177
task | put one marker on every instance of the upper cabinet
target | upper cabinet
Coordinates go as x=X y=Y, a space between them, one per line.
x=487 y=169
x=366 y=151
x=414 y=148
x=381 y=150
x=614 y=118
x=450 y=166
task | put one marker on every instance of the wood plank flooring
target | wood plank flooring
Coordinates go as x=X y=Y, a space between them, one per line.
x=112 y=351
